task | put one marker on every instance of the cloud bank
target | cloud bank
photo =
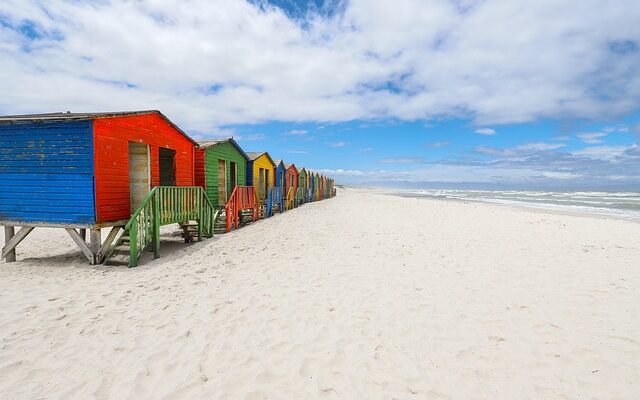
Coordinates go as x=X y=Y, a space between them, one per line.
x=209 y=65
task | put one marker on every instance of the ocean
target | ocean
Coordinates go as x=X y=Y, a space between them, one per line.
x=614 y=204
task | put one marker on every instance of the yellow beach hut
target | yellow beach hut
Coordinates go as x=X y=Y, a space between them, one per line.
x=261 y=173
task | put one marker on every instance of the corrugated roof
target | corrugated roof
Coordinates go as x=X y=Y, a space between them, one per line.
x=253 y=155
x=69 y=115
x=204 y=144
x=65 y=116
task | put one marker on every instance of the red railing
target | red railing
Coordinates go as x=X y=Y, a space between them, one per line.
x=242 y=198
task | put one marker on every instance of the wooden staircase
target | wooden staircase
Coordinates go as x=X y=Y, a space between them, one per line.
x=187 y=206
x=242 y=207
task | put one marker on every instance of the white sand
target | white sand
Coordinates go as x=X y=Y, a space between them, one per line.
x=364 y=296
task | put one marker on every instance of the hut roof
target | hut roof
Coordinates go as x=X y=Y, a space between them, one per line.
x=287 y=166
x=204 y=144
x=65 y=116
x=253 y=155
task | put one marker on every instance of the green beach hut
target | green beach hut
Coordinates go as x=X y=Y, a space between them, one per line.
x=220 y=166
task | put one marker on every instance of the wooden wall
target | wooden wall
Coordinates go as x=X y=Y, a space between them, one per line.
x=46 y=172
x=111 y=137
x=292 y=177
x=262 y=162
x=280 y=175
x=228 y=152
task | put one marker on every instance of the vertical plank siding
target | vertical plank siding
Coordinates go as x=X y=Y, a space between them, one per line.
x=223 y=151
x=281 y=175
x=292 y=178
x=46 y=172
x=111 y=138
x=262 y=162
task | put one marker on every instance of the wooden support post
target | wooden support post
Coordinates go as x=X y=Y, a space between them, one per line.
x=155 y=236
x=9 y=231
x=95 y=243
x=83 y=234
x=81 y=244
x=133 y=244
x=106 y=247
x=200 y=205
x=10 y=245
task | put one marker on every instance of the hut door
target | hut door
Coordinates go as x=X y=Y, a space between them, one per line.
x=222 y=182
x=167 y=167
x=233 y=172
x=261 y=188
x=139 y=174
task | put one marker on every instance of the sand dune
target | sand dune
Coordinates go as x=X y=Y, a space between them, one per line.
x=364 y=296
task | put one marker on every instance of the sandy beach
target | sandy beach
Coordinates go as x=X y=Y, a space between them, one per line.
x=363 y=296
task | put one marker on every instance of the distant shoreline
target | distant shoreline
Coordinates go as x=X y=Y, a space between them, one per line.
x=520 y=206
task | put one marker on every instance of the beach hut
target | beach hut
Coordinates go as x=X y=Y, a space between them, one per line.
x=220 y=166
x=88 y=171
x=302 y=185
x=316 y=186
x=291 y=185
x=280 y=172
x=261 y=175
x=275 y=201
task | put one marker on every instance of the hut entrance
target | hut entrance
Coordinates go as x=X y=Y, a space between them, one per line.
x=222 y=182
x=139 y=174
x=261 y=187
x=233 y=174
x=167 y=167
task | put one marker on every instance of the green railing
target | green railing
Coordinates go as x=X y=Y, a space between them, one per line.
x=166 y=205
x=299 y=196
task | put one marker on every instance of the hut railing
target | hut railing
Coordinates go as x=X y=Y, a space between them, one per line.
x=299 y=196
x=274 y=197
x=291 y=198
x=242 y=198
x=166 y=205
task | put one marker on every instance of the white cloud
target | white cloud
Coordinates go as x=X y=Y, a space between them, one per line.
x=592 y=138
x=297 y=151
x=541 y=146
x=251 y=137
x=209 y=65
x=607 y=153
x=560 y=175
x=296 y=132
x=485 y=131
x=520 y=150
x=437 y=145
x=403 y=160
x=337 y=145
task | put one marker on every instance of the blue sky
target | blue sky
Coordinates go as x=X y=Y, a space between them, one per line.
x=411 y=93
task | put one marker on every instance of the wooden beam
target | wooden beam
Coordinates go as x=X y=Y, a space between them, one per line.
x=81 y=244
x=95 y=241
x=83 y=234
x=107 y=245
x=9 y=231
x=8 y=250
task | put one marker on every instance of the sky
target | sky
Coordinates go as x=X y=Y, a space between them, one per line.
x=409 y=93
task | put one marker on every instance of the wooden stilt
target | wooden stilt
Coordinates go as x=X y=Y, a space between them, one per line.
x=83 y=234
x=9 y=231
x=15 y=240
x=107 y=245
x=81 y=244
x=95 y=242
